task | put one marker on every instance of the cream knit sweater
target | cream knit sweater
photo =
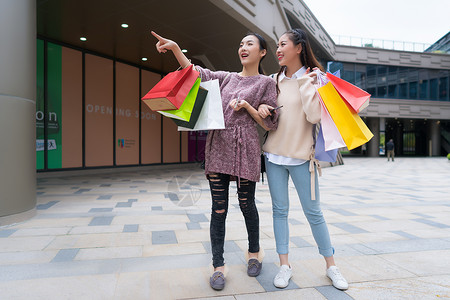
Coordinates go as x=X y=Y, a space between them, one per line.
x=301 y=109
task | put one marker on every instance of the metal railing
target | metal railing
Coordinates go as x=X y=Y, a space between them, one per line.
x=377 y=43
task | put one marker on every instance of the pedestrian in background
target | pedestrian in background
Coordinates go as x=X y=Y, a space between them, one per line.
x=390 y=149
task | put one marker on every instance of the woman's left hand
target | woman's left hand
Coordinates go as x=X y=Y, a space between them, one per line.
x=264 y=110
x=236 y=104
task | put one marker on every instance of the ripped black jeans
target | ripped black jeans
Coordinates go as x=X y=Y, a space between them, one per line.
x=219 y=184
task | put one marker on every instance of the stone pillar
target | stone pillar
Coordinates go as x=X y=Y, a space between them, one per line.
x=17 y=110
x=435 y=137
x=374 y=144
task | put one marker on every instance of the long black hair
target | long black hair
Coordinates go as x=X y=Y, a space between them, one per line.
x=262 y=46
x=307 y=57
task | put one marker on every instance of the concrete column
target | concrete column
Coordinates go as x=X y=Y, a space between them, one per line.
x=17 y=110
x=435 y=136
x=374 y=144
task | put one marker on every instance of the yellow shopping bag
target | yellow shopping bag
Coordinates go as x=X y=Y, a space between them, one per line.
x=352 y=128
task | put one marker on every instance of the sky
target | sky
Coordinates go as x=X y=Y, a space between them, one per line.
x=420 y=21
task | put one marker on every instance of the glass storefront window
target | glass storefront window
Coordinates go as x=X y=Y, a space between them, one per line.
x=403 y=91
x=413 y=90
x=413 y=74
x=392 y=69
x=360 y=76
x=434 y=89
x=382 y=92
x=443 y=88
x=382 y=70
x=334 y=66
x=349 y=76
x=423 y=89
x=396 y=82
x=392 y=91
x=371 y=71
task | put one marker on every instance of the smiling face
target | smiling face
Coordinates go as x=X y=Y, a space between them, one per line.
x=249 y=50
x=287 y=52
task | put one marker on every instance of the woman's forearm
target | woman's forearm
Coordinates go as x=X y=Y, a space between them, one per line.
x=254 y=114
x=181 y=58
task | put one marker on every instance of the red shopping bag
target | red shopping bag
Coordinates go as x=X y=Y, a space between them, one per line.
x=170 y=92
x=353 y=95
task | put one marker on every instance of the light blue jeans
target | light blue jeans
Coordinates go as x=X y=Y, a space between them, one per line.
x=278 y=177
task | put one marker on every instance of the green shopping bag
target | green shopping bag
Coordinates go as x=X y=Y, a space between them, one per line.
x=185 y=111
x=198 y=106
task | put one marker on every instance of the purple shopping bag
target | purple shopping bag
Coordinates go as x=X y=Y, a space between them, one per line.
x=320 y=152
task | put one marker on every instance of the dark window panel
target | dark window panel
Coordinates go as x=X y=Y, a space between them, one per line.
x=443 y=88
x=403 y=91
x=382 y=92
x=434 y=89
x=423 y=89
x=392 y=91
x=413 y=90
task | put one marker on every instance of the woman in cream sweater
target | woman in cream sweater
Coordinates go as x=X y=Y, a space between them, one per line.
x=289 y=150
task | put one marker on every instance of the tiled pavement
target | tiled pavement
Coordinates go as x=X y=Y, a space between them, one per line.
x=144 y=234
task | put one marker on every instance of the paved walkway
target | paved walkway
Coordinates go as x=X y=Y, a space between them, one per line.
x=145 y=235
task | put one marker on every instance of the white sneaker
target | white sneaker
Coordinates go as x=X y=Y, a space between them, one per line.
x=336 y=277
x=281 y=280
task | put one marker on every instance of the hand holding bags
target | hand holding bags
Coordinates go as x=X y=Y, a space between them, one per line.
x=352 y=128
x=170 y=92
x=211 y=115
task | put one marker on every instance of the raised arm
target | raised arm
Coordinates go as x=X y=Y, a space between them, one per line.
x=164 y=44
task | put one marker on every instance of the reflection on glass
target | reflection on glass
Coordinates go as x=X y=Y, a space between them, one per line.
x=334 y=66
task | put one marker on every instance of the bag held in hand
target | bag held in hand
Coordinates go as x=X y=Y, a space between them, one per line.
x=185 y=111
x=170 y=92
x=353 y=95
x=198 y=105
x=352 y=129
x=320 y=152
x=330 y=134
x=211 y=115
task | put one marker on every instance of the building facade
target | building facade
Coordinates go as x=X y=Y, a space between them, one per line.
x=73 y=74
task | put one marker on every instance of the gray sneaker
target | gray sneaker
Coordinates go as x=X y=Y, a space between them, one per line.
x=254 y=267
x=217 y=281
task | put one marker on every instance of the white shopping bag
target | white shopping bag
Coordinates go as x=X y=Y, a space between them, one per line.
x=211 y=115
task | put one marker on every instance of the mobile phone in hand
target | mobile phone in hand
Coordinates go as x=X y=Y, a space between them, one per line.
x=274 y=109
